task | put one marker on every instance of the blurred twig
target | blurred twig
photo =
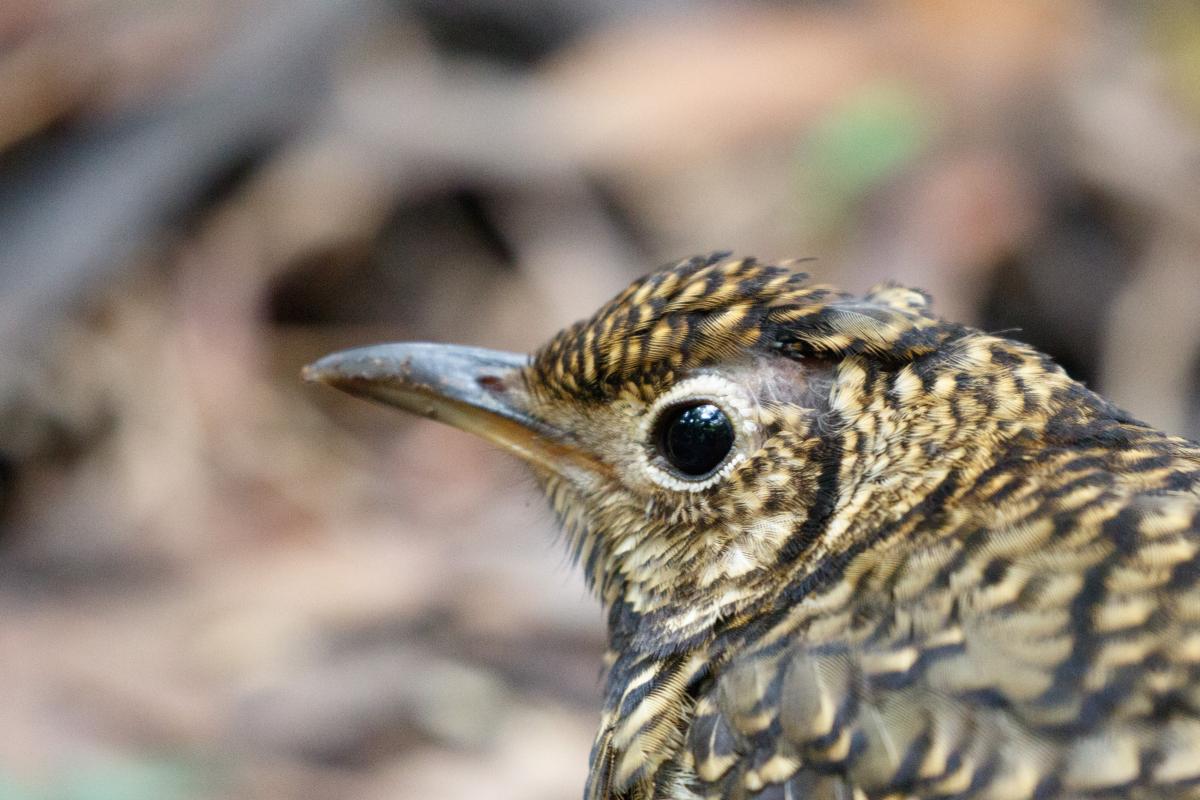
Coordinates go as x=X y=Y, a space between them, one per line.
x=85 y=204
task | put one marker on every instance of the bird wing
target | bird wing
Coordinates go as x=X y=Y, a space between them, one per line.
x=1054 y=657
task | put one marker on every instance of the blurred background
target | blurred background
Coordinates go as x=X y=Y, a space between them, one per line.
x=216 y=582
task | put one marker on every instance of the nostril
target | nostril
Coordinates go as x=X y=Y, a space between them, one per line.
x=492 y=383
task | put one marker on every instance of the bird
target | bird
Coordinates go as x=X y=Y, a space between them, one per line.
x=845 y=549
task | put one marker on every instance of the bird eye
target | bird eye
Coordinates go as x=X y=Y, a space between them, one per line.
x=695 y=439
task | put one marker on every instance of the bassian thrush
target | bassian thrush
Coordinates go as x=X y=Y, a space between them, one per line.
x=846 y=549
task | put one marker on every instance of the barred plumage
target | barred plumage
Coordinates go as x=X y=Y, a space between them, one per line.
x=930 y=564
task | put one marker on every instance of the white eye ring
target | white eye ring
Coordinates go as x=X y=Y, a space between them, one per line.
x=705 y=388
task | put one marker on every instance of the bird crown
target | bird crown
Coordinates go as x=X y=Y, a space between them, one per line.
x=711 y=307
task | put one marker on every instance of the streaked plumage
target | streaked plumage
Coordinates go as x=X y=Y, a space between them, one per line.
x=931 y=565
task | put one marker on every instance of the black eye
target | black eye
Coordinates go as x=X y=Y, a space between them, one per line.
x=695 y=439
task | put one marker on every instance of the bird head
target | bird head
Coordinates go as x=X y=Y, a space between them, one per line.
x=721 y=426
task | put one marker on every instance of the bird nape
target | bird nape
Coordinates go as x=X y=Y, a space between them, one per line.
x=846 y=549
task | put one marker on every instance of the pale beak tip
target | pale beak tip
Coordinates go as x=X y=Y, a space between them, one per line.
x=325 y=370
x=309 y=373
x=345 y=366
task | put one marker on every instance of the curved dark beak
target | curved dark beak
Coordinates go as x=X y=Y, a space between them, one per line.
x=478 y=390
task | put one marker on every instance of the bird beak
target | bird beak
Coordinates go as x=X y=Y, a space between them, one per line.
x=478 y=390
